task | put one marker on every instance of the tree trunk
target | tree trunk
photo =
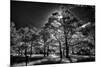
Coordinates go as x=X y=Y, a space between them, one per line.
x=48 y=50
x=26 y=56
x=63 y=52
x=19 y=51
x=44 y=50
x=66 y=44
x=60 y=50
x=65 y=33
x=67 y=51
x=31 y=50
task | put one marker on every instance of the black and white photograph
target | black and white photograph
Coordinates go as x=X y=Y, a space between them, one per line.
x=44 y=33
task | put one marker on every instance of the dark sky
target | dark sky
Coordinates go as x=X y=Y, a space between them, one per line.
x=35 y=13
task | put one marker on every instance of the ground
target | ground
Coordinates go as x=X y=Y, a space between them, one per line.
x=51 y=59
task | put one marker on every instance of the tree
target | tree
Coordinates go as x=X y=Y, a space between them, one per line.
x=45 y=36
x=53 y=30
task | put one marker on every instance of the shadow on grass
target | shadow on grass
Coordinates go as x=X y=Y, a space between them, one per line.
x=20 y=59
x=86 y=60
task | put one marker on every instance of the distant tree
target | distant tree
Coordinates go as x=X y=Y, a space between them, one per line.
x=13 y=33
x=45 y=36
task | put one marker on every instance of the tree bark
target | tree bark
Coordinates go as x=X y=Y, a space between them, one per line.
x=60 y=50
x=26 y=56
x=31 y=50
x=19 y=51
x=48 y=50
x=66 y=44
x=44 y=50
x=63 y=52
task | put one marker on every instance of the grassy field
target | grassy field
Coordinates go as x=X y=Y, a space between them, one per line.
x=41 y=60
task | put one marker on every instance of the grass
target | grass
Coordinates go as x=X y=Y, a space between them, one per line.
x=50 y=60
x=20 y=59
